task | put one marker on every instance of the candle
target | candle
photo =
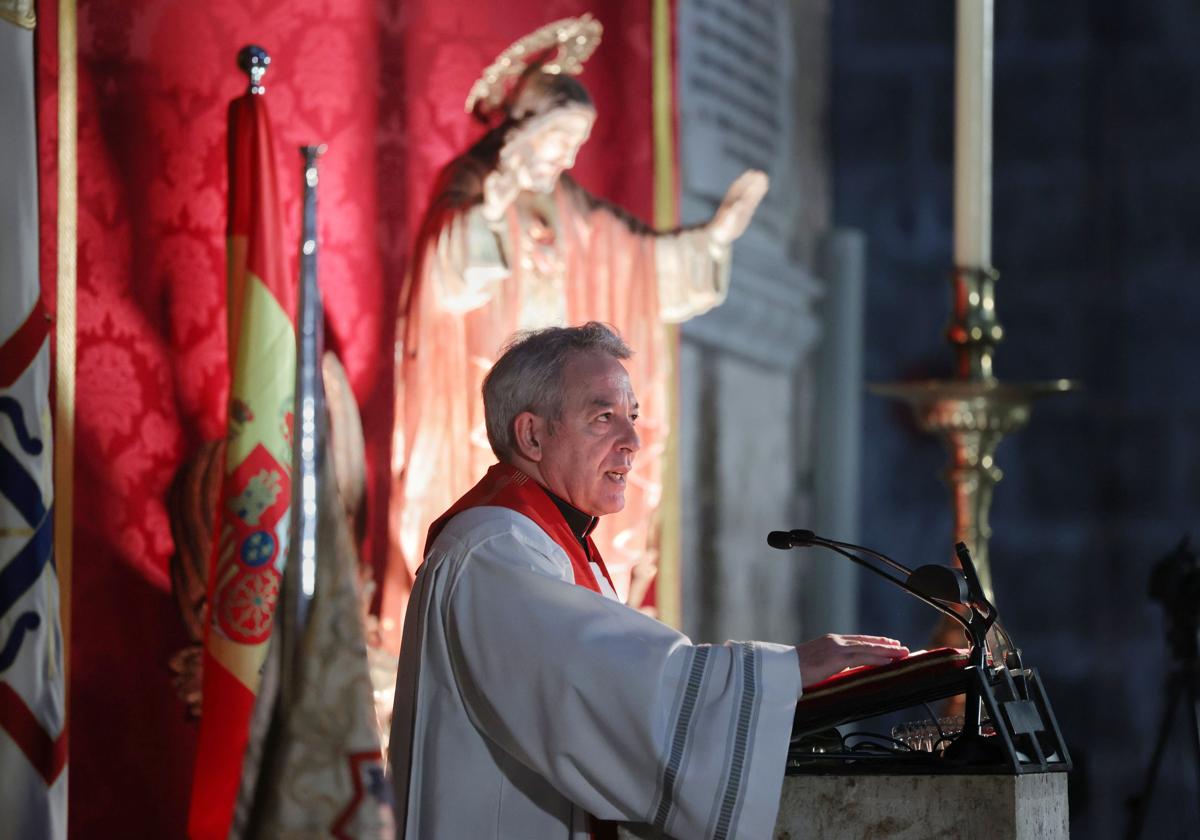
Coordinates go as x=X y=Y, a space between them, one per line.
x=973 y=135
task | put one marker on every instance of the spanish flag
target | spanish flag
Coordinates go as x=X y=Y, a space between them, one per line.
x=251 y=525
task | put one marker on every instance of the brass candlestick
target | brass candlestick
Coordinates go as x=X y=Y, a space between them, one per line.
x=973 y=411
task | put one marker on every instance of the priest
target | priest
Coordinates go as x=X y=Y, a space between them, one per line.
x=532 y=703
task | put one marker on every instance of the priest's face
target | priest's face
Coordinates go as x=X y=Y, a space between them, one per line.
x=588 y=451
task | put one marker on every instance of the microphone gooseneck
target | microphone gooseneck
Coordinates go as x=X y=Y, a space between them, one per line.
x=958 y=594
x=982 y=613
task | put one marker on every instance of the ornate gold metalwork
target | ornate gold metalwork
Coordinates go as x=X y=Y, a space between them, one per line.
x=575 y=39
x=973 y=412
x=972 y=417
x=974 y=331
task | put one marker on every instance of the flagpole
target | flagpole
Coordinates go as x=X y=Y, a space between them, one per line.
x=64 y=331
x=299 y=579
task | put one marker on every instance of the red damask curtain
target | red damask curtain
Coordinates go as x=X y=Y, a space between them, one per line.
x=383 y=84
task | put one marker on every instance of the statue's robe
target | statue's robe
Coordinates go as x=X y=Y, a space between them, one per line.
x=561 y=258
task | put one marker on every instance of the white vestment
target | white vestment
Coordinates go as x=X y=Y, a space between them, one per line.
x=525 y=702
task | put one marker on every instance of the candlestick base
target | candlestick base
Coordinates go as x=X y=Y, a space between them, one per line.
x=972 y=417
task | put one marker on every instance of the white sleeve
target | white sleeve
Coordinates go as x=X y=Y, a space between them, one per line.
x=692 y=269
x=620 y=713
x=467 y=262
x=693 y=273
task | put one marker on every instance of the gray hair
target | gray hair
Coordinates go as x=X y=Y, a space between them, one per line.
x=528 y=376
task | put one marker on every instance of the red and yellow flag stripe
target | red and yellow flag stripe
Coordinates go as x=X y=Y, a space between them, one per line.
x=252 y=520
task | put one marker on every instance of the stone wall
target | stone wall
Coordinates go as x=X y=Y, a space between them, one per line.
x=1097 y=185
x=753 y=93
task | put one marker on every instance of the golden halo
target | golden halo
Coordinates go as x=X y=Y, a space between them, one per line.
x=575 y=38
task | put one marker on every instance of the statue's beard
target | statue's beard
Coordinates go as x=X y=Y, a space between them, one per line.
x=539 y=178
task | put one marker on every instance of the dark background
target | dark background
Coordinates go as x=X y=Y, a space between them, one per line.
x=1096 y=208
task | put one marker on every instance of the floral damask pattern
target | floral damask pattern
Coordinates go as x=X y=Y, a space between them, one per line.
x=382 y=83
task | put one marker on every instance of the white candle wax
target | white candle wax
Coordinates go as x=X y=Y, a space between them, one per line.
x=973 y=135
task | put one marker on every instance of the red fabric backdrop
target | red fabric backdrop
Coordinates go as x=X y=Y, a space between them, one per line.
x=383 y=85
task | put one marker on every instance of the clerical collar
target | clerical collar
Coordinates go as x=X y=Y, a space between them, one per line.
x=580 y=523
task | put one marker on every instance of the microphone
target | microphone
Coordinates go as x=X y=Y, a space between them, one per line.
x=790 y=539
x=937 y=586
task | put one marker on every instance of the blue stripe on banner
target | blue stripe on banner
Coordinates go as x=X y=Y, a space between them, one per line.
x=18 y=486
x=26 y=567
x=10 y=406
x=25 y=622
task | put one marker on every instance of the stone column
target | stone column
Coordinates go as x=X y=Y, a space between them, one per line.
x=753 y=88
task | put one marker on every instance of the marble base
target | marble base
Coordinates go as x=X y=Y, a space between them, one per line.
x=1029 y=807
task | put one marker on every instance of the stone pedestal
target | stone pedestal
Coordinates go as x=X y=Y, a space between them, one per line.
x=1030 y=807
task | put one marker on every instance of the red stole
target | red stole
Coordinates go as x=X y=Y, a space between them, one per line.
x=506 y=486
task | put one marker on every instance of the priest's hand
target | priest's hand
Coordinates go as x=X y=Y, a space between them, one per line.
x=826 y=655
x=738 y=206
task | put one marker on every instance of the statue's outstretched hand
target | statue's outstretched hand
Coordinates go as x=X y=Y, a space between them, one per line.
x=500 y=190
x=825 y=656
x=738 y=206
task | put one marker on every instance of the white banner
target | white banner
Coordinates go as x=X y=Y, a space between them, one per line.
x=33 y=795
